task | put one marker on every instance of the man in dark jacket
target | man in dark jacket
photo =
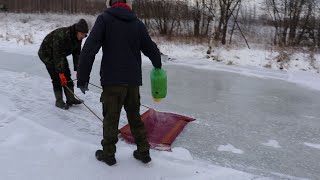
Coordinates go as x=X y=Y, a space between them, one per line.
x=53 y=52
x=122 y=38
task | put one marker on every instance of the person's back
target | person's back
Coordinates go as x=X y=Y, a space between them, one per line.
x=122 y=37
x=62 y=39
x=122 y=50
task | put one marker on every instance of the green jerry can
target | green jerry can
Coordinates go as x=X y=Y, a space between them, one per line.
x=158 y=84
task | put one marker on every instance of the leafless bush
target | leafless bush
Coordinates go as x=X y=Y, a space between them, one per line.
x=313 y=61
x=25 y=39
x=283 y=58
x=230 y=63
x=269 y=66
x=25 y=20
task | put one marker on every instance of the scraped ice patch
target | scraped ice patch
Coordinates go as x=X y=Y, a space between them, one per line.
x=317 y=146
x=13 y=140
x=272 y=143
x=230 y=148
x=306 y=79
x=311 y=117
x=40 y=141
x=178 y=153
x=5 y=103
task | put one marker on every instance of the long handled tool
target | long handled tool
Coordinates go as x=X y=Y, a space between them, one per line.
x=83 y=103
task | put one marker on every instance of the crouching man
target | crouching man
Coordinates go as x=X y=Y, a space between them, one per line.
x=53 y=52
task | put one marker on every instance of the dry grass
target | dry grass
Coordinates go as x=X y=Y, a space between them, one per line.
x=269 y=66
x=230 y=63
x=24 y=39
x=182 y=40
x=25 y=19
x=313 y=61
x=283 y=59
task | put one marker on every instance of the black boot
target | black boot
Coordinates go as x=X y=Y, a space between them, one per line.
x=59 y=100
x=70 y=96
x=110 y=160
x=142 y=156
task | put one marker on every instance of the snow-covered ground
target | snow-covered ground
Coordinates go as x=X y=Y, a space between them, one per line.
x=38 y=141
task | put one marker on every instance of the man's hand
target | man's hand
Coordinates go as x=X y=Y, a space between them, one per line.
x=83 y=87
x=63 y=79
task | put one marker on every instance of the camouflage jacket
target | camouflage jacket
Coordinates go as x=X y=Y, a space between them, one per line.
x=59 y=44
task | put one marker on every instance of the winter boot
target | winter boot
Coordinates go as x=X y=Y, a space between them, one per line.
x=59 y=101
x=110 y=160
x=70 y=97
x=142 y=156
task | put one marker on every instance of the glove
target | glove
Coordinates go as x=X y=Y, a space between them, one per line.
x=83 y=87
x=63 y=79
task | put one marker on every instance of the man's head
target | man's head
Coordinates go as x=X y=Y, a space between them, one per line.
x=110 y=3
x=82 y=29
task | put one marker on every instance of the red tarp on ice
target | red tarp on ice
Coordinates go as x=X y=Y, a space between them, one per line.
x=162 y=128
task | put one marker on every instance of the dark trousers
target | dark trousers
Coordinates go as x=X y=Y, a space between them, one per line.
x=113 y=98
x=56 y=79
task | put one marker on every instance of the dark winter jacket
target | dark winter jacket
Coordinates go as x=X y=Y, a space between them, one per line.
x=122 y=38
x=59 y=44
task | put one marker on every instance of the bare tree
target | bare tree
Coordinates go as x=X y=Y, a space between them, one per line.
x=234 y=23
x=202 y=16
x=227 y=8
x=291 y=19
x=166 y=14
x=196 y=11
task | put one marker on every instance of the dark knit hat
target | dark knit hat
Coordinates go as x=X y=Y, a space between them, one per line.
x=112 y=2
x=82 y=26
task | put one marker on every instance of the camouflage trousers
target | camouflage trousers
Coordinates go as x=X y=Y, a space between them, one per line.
x=56 y=82
x=113 y=98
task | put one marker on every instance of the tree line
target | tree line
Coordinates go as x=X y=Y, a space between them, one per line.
x=287 y=22
x=293 y=22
